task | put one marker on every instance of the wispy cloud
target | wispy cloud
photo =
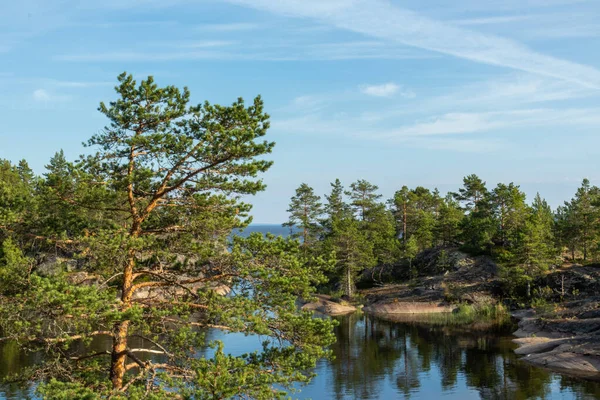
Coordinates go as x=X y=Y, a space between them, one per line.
x=452 y=131
x=77 y=84
x=228 y=27
x=386 y=90
x=265 y=51
x=204 y=44
x=44 y=96
x=41 y=95
x=381 y=19
x=501 y=19
x=508 y=92
x=563 y=32
x=465 y=123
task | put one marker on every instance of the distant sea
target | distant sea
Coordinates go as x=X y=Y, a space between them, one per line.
x=275 y=229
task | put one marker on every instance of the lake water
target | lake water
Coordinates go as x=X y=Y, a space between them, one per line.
x=378 y=359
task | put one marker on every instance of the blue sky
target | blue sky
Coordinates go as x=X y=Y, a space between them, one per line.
x=395 y=92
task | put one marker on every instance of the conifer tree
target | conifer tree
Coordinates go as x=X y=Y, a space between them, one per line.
x=510 y=211
x=163 y=191
x=335 y=208
x=448 y=222
x=363 y=196
x=472 y=192
x=353 y=252
x=305 y=209
x=537 y=248
x=586 y=216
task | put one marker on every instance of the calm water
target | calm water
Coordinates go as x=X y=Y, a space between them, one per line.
x=378 y=359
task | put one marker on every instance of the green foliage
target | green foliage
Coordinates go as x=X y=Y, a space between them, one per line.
x=305 y=209
x=411 y=250
x=17 y=199
x=448 y=222
x=147 y=217
x=363 y=197
x=467 y=314
x=15 y=268
x=578 y=226
x=416 y=213
x=352 y=251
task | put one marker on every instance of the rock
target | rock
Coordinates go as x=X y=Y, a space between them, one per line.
x=570 y=345
x=83 y=278
x=324 y=305
x=50 y=264
x=221 y=290
x=175 y=290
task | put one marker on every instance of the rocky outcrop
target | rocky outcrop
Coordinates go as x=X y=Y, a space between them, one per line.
x=175 y=291
x=325 y=305
x=570 y=345
x=52 y=264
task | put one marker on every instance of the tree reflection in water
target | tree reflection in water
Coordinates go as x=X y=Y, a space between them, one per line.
x=375 y=358
x=373 y=353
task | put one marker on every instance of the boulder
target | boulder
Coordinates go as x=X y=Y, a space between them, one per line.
x=325 y=305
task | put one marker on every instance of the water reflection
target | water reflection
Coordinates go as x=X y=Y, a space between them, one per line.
x=382 y=359
x=378 y=359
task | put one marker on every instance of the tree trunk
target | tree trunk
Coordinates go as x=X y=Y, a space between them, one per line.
x=404 y=223
x=121 y=329
x=349 y=288
x=118 y=357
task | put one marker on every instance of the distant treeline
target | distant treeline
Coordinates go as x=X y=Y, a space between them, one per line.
x=362 y=230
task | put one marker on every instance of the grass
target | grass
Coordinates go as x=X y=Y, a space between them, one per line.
x=467 y=314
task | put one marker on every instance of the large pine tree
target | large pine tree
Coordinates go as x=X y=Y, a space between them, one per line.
x=163 y=189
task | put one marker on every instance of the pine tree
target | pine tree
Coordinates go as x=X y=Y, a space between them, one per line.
x=533 y=251
x=537 y=249
x=472 y=192
x=415 y=212
x=363 y=196
x=410 y=252
x=478 y=227
x=164 y=191
x=17 y=200
x=347 y=238
x=448 y=222
x=586 y=216
x=400 y=210
x=353 y=252
x=510 y=211
x=335 y=208
x=305 y=209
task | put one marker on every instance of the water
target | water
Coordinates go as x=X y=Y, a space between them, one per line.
x=379 y=359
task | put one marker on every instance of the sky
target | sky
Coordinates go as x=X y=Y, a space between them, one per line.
x=394 y=92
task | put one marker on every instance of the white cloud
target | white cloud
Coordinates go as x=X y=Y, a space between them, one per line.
x=77 y=84
x=504 y=19
x=231 y=27
x=466 y=123
x=385 y=90
x=265 y=51
x=206 y=44
x=507 y=92
x=383 y=20
x=41 y=95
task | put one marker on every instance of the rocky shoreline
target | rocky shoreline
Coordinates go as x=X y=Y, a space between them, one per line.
x=562 y=341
